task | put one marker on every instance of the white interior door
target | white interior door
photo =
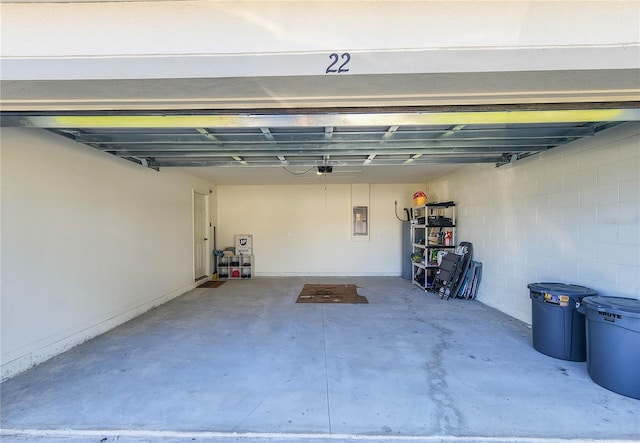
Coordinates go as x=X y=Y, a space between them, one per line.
x=199 y=236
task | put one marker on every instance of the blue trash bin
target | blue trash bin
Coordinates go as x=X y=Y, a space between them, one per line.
x=557 y=327
x=613 y=343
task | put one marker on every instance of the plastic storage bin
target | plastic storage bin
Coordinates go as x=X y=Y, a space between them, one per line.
x=613 y=343
x=557 y=326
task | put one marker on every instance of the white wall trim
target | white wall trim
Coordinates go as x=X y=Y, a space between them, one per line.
x=392 y=61
x=327 y=274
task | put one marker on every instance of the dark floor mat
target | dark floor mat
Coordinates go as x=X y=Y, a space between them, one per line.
x=330 y=294
x=212 y=284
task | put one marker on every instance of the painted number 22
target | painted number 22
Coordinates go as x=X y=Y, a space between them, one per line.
x=331 y=69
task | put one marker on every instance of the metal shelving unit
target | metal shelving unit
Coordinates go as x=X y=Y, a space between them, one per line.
x=433 y=233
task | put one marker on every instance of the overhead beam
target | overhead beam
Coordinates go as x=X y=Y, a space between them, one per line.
x=408 y=134
x=355 y=163
x=301 y=146
x=371 y=152
x=348 y=119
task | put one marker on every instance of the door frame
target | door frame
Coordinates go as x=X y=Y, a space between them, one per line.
x=207 y=241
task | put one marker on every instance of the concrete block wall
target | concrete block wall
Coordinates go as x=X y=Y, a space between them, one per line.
x=569 y=215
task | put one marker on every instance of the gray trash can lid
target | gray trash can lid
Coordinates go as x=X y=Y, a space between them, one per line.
x=561 y=289
x=617 y=305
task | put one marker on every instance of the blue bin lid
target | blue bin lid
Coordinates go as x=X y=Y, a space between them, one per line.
x=616 y=305
x=562 y=289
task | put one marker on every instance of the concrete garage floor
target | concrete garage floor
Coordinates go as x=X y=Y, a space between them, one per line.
x=245 y=363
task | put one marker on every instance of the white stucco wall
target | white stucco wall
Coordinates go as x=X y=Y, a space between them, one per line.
x=230 y=27
x=306 y=229
x=88 y=242
x=199 y=39
x=568 y=215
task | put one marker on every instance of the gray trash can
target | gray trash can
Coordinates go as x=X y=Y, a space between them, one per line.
x=613 y=343
x=557 y=326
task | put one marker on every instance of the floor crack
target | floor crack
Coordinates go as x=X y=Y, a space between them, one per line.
x=326 y=367
x=449 y=419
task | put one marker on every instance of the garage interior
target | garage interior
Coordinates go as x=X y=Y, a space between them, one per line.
x=517 y=111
